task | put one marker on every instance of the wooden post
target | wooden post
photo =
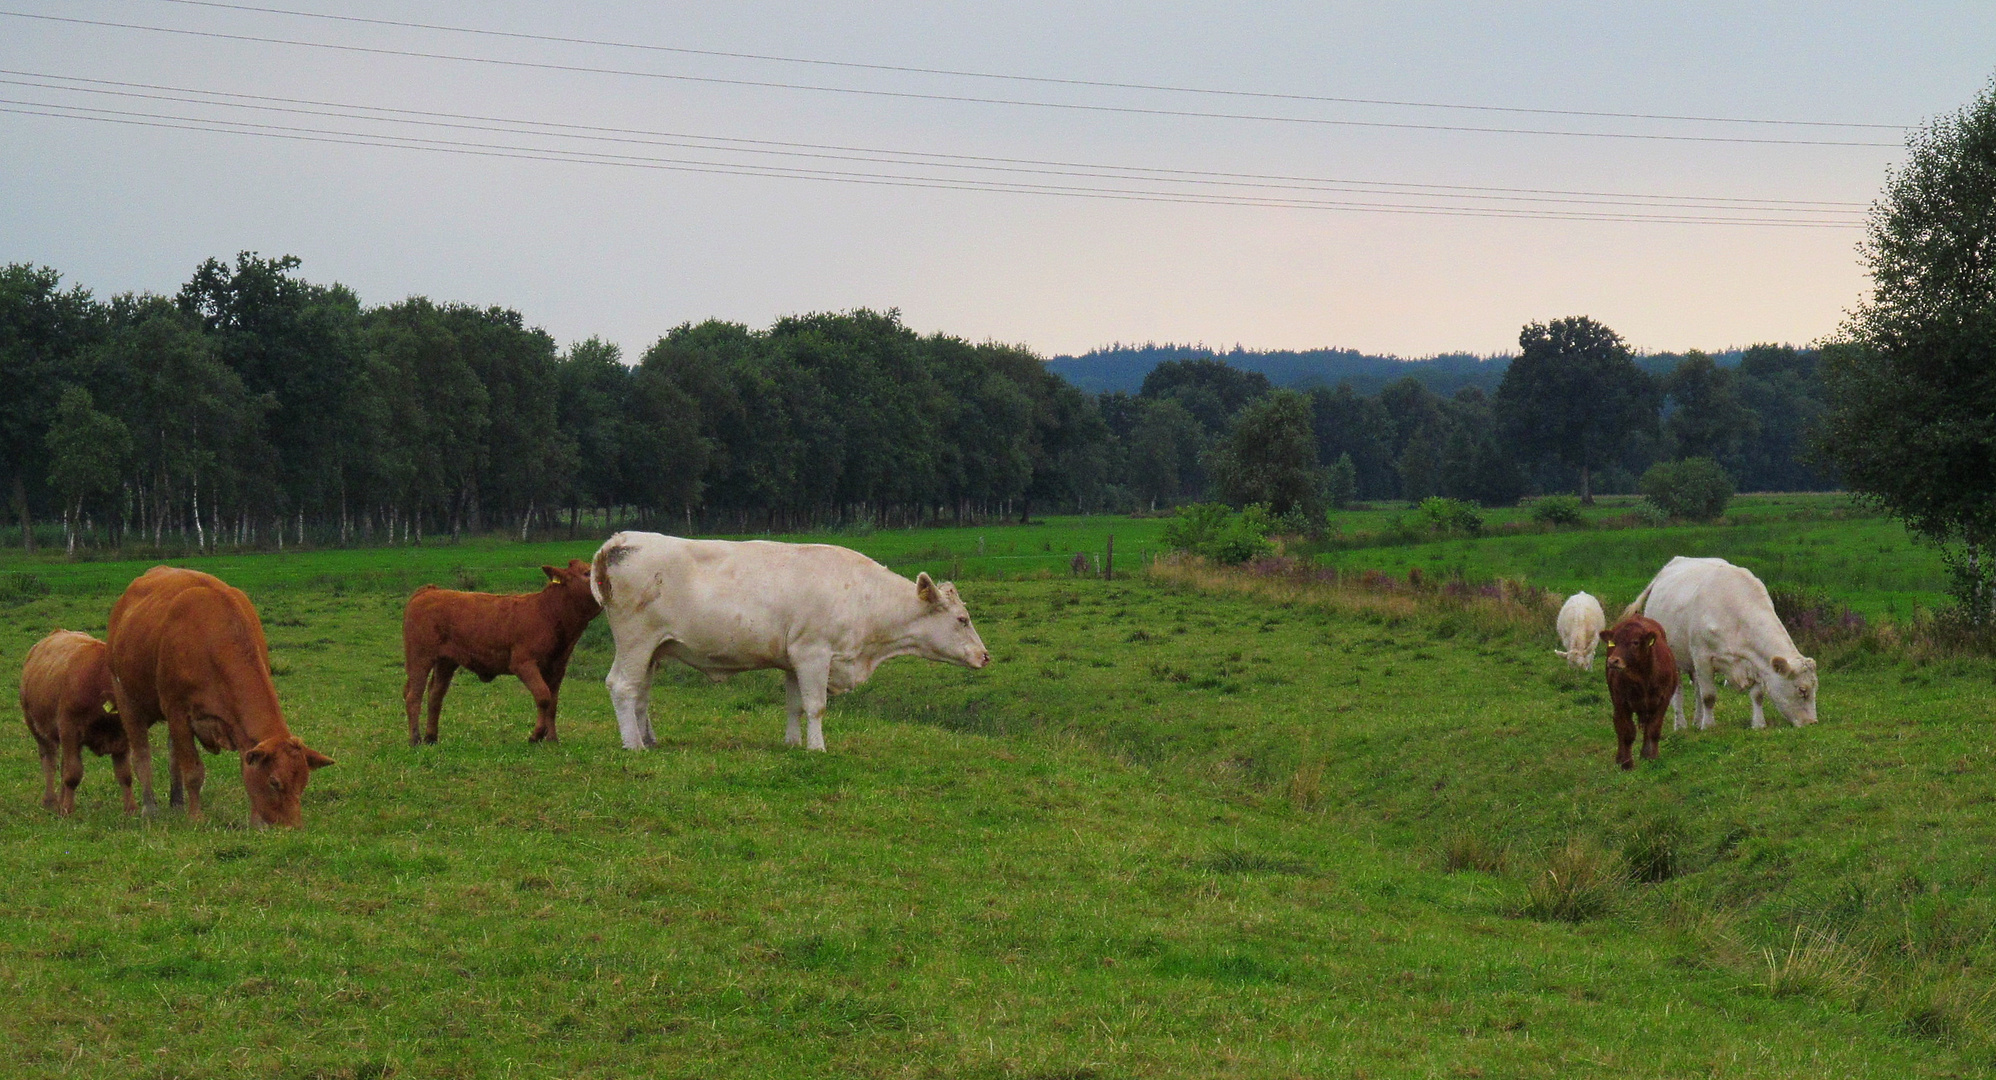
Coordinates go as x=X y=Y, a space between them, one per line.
x=1109 y=564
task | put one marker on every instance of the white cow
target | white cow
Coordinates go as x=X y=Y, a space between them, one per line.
x=1720 y=622
x=1580 y=624
x=825 y=616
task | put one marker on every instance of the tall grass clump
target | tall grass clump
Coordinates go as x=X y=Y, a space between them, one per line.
x=1652 y=849
x=1577 y=882
x=1815 y=964
x=1469 y=849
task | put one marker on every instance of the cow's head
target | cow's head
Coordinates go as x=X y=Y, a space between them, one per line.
x=275 y=772
x=1793 y=688
x=943 y=630
x=573 y=581
x=106 y=733
x=1632 y=645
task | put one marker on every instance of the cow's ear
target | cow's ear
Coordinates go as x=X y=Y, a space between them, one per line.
x=1781 y=665
x=1649 y=642
x=553 y=573
x=316 y=760
x=1607 y=637
x=257 y=757
x=925 y=588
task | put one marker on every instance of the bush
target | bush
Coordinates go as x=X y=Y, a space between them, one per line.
x=1695 y=489
x=1557 y=510
x=1452 y=515
x=1341 y=483
x=1213 y=531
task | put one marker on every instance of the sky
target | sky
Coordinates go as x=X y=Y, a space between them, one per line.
x=1286 y=221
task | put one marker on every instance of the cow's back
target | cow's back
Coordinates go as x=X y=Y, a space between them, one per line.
x=1712 y=606
x=738 y=601
x=183 y=626
x=66 y=670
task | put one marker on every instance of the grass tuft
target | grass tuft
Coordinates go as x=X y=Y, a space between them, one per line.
x=1653 y=849
x=1816 y=964
x=1467 y=849
x=1577 y=882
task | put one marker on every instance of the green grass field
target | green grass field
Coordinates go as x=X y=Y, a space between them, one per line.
x=1170 y=832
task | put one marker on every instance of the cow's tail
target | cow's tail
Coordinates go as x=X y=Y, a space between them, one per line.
x=599 y=569
x=1636 y=607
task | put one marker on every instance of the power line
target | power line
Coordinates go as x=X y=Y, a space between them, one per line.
x=1040 y=79
x=952 y=98
x=304 y=134
x=349 y=111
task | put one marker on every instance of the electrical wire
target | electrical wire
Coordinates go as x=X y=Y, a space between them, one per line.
x=1039 y=79
x=468 y=148
x=950 y=98
x=348 y=111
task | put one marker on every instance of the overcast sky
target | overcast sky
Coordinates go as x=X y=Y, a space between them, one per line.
x=629 y=252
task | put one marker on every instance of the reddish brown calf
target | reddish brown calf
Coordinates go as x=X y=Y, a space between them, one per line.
x=1642 y=677
x=66 y=698
x=530 y=636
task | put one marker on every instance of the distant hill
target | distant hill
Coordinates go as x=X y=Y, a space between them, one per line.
x=1123 y=367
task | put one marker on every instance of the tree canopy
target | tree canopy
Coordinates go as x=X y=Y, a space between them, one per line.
x=1911 y=378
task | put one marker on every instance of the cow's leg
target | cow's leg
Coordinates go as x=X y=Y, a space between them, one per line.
x=1652 y=733
x=629 y=682
x=121 y=767
x=185 y=764
x=139 y=736
x=793 y=707
x=71 y=745
x=1708 y=695
x=412 y=694
x=51 y=754
x=813 y=682
x=439 y=686
x=1754 y=694
x=1625 y=736
x=1677 y=705
x=528 y=670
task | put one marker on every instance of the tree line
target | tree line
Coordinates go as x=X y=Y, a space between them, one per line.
x=255 y=408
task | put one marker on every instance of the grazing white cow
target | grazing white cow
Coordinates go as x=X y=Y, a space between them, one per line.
x=1580 y=624
x=1720 y=622
x=825 y=616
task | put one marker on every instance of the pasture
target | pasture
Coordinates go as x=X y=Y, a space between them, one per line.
x=1178 y=828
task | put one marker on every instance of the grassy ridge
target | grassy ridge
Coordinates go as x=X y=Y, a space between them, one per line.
x=1177 y=829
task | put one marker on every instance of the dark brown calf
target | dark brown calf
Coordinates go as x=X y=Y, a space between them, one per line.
x=530 y=636
x=1642 y=676
x=66 y=698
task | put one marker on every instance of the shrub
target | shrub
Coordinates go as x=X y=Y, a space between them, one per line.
x=1557 y=510
x=1452 y=515
x=1578 y=882
x=1213 y=531
x=1341 y=483
x=1695 y=489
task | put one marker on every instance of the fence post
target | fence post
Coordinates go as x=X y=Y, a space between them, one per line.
x=1109 y=564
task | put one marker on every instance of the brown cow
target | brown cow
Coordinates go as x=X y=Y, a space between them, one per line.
x=66 y=698
x=188 y=649
x=530 y=635
x=1642 y=677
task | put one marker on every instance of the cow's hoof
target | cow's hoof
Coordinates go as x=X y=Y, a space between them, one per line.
x=650 y=742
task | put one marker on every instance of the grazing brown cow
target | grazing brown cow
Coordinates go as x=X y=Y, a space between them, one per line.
x=530 y=635
x=188 y=649
x=1642 y=677
x=66 y=698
